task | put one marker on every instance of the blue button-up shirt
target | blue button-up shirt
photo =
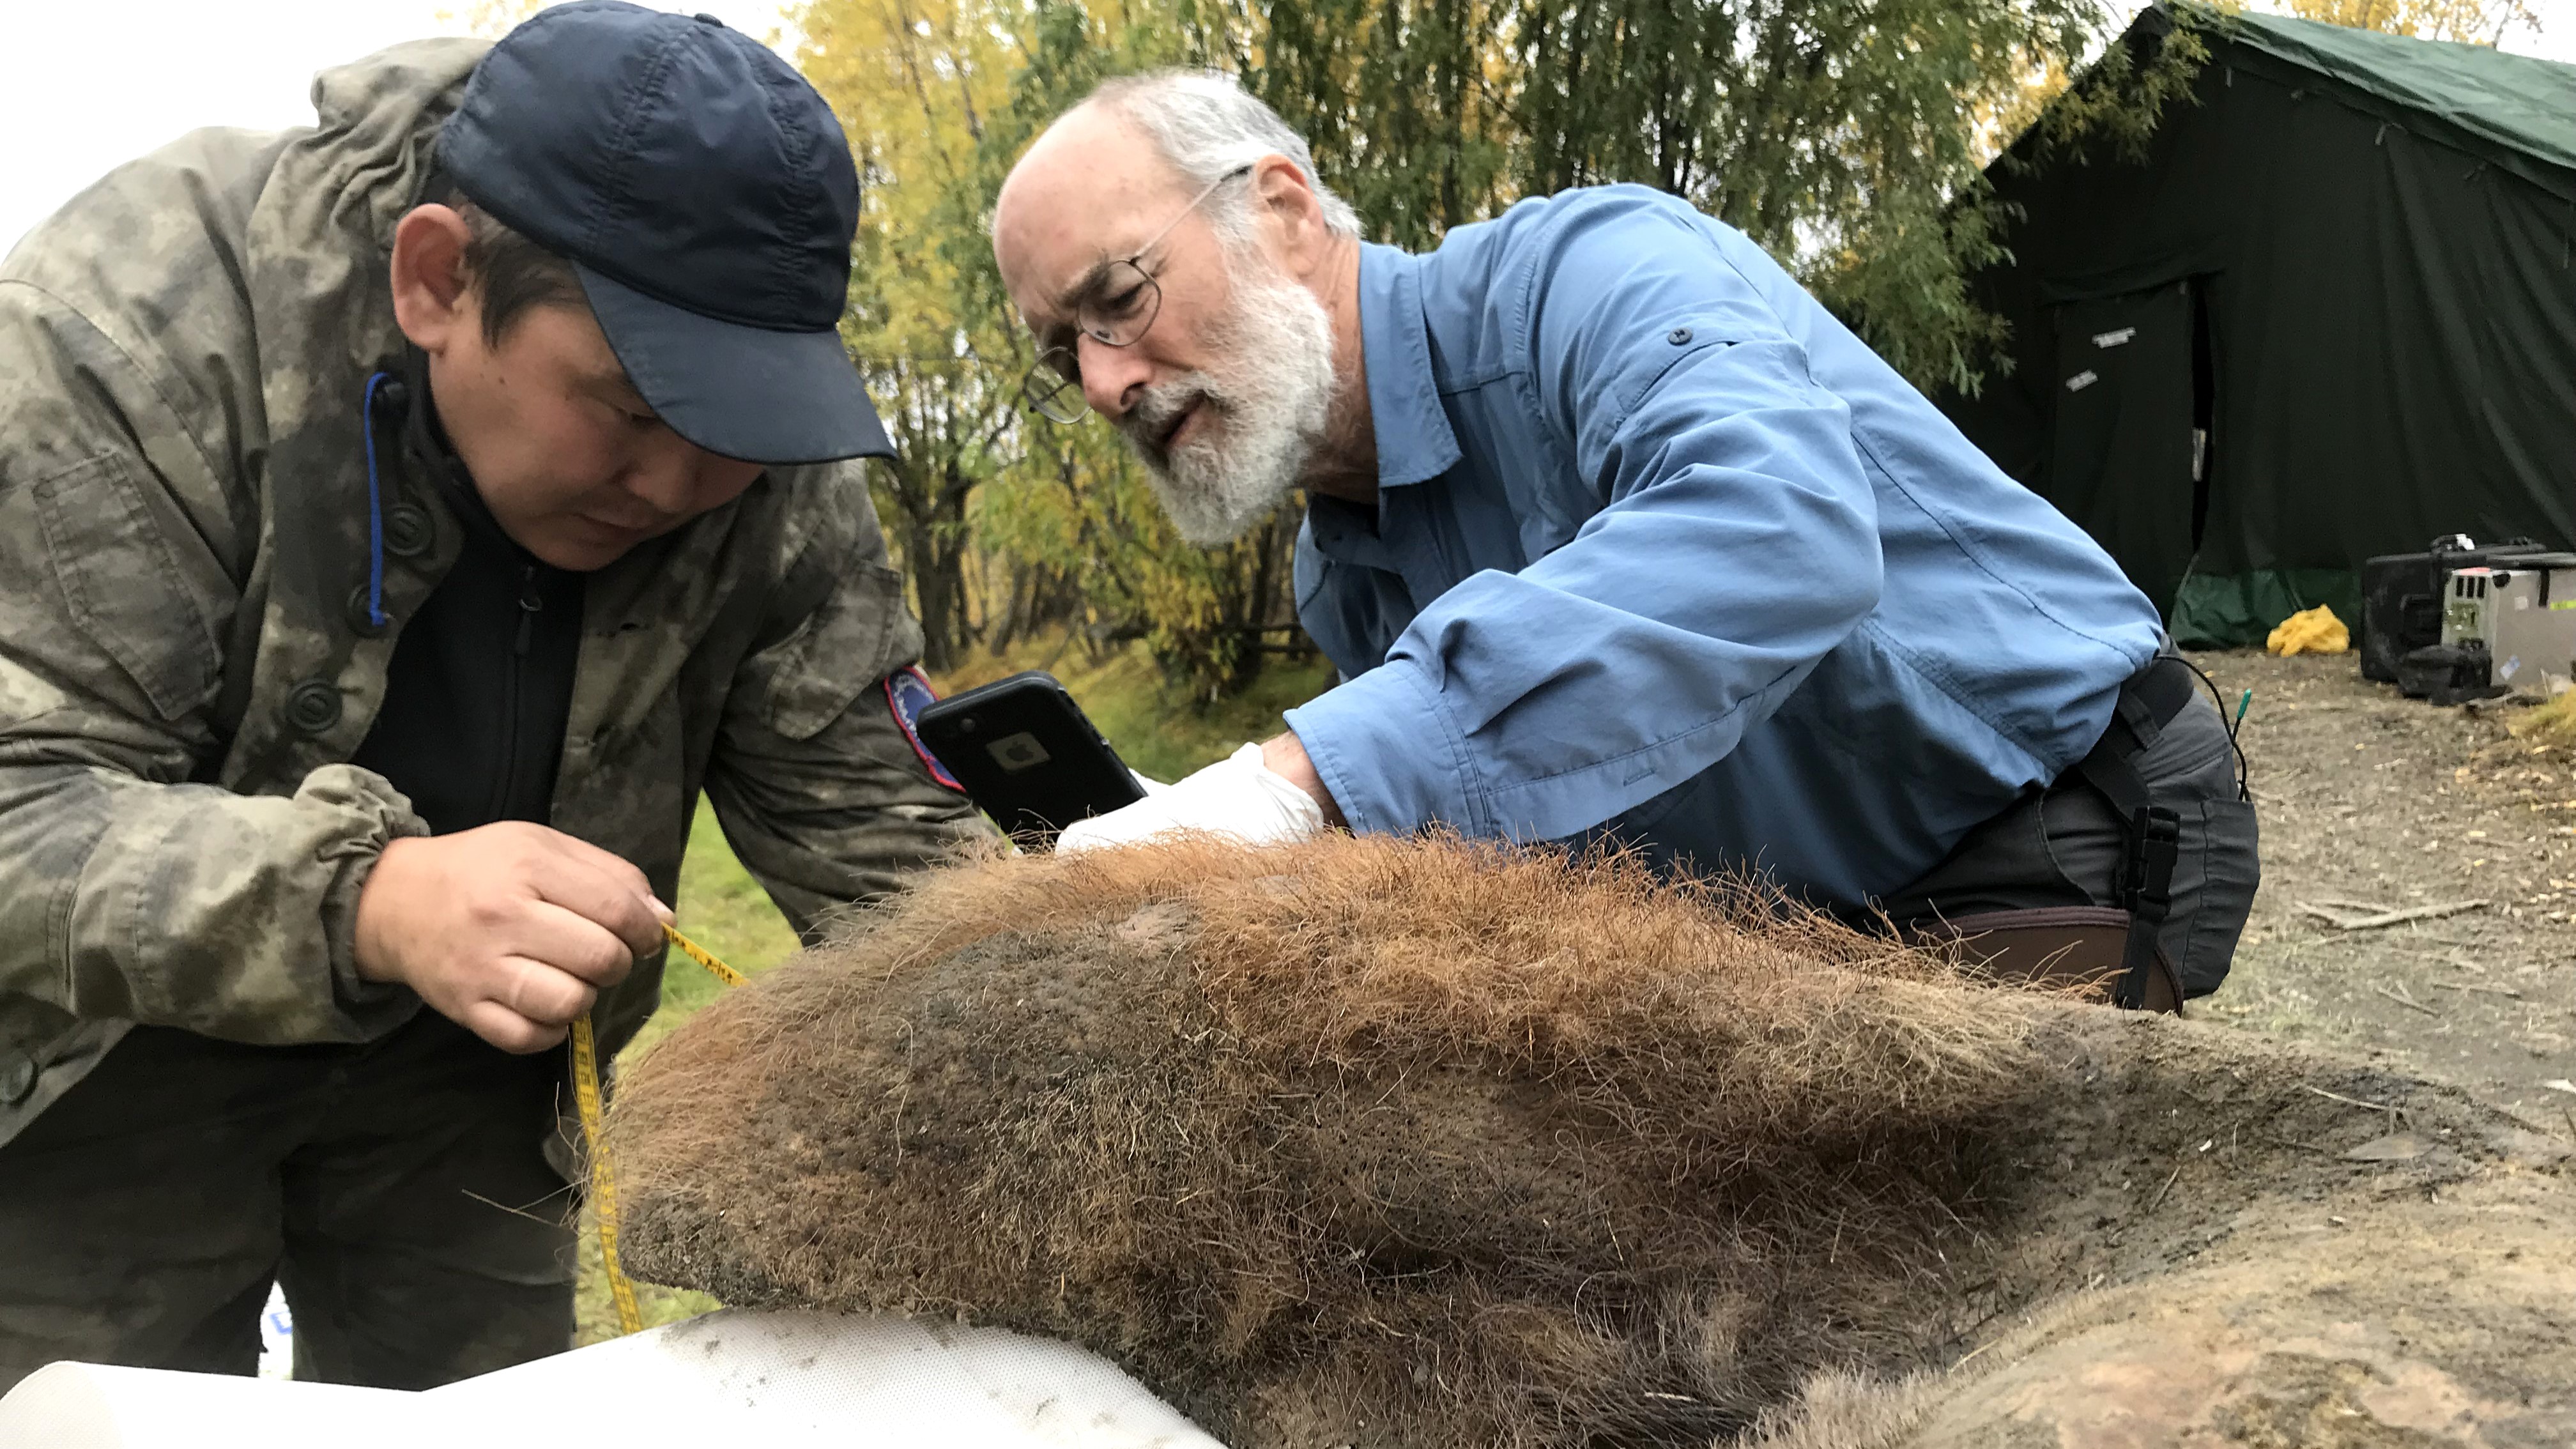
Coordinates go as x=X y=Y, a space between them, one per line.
x=1663 y=552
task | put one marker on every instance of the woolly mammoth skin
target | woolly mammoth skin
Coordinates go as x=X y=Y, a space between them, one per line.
x=2422 y=1320
x=1373 y=1142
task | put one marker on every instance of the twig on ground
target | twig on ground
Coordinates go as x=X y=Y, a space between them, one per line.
x=2168 y=1187
x=2404 y=1000
x=2367 y=907
x=1972 y=1353
x=2477 y=986
x=2342 y=922
x=2349 y=1101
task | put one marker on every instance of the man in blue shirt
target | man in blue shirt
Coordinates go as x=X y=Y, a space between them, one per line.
x=1614 y=534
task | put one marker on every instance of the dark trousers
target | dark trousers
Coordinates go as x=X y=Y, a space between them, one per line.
x=398 y=1190
x=2063 y=846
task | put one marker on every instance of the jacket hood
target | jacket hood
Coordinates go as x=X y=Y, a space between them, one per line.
x=322 y=234
x=245 y=273
x=376 y=125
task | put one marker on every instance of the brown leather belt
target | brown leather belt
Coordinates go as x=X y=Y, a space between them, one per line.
x=2082 y=950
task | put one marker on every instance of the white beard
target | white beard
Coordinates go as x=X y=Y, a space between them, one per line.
x=1266 y=402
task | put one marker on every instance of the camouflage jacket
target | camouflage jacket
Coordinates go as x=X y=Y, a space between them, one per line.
x=183 y=524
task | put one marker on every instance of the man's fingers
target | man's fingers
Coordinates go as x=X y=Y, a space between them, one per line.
x=608 y=863
x=541 y=993
x=619 y=901
x=568 y=941
x=508 y=1030
x=510 y=929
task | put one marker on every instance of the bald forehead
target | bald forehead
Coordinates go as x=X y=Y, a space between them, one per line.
x=1094 y=144
x=1088 y=127
x=1083 y=194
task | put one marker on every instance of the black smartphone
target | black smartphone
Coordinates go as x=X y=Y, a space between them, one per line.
x=1027 y=755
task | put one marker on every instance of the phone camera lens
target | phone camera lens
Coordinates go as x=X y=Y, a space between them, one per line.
x=967 y=725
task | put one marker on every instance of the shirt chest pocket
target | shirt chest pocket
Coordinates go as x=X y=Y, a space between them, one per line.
x=1506 y=448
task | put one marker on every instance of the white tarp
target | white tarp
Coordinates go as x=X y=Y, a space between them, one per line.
x=777 y=1380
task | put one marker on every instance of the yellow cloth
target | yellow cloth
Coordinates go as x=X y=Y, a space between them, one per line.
x=2310 y=631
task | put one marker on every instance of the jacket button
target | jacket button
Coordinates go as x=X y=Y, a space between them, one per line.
x=313 y=706
x=17 y=1078
x=1678 y=336
x=361 y=618
x=407 y=531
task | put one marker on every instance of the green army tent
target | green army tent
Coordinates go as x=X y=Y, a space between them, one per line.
x=2331 y=314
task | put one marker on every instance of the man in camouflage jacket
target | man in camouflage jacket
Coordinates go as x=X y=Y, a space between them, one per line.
x=228 y=509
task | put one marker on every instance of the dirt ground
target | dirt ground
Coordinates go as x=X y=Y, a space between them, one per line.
x=2369 y=799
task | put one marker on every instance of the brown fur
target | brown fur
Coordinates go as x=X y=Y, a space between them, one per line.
x=1418 y=1143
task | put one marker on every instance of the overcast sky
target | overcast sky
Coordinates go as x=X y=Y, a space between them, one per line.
x=84 y=86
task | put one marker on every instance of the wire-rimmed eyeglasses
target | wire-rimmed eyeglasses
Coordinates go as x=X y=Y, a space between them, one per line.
x=1115 y=307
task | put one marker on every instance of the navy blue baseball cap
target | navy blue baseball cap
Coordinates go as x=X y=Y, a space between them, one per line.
x=704 y=194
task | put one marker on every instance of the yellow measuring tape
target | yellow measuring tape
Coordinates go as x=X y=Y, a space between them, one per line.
x=603 y=1179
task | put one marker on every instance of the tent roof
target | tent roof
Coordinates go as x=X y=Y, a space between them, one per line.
x=2514 y=102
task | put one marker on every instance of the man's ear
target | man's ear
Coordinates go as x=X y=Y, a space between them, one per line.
x=434 y=303
x=1289 y=204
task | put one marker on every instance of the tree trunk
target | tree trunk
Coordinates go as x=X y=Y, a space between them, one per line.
x=935 y=545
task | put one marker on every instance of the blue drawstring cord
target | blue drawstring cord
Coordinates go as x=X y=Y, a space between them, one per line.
x=375 y=513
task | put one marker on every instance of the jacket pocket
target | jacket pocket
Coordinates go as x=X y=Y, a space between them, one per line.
x=851 y=640
x=120 y=582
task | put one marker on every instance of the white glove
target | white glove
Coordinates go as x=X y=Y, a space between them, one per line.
x=1237 y=796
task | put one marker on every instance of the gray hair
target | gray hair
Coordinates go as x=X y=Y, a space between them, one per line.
x=1206 y=125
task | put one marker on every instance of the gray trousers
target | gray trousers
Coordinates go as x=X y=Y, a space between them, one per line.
x=2063 y=846
x=398 y=1190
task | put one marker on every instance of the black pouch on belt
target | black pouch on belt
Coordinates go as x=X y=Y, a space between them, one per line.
x=2148 y=702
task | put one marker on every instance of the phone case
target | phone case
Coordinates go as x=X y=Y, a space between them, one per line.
x=1027 y=755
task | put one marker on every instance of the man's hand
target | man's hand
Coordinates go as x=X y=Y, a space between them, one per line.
x=1239 y=796
x=510 y=930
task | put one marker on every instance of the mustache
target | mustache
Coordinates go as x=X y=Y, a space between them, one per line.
x=1149 y=424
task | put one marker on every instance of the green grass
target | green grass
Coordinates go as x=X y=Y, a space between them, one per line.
x=723 y=909
x=1155 y=731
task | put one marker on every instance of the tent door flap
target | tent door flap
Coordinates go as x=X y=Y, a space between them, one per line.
x=2123 y=456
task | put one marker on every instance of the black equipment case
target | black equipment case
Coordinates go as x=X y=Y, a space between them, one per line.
x=2401 y=596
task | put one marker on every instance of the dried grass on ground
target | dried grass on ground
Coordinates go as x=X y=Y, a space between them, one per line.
x=2551 y=725
x=1390 y=1143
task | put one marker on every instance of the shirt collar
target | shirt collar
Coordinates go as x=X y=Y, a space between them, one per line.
x=1414 y=439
